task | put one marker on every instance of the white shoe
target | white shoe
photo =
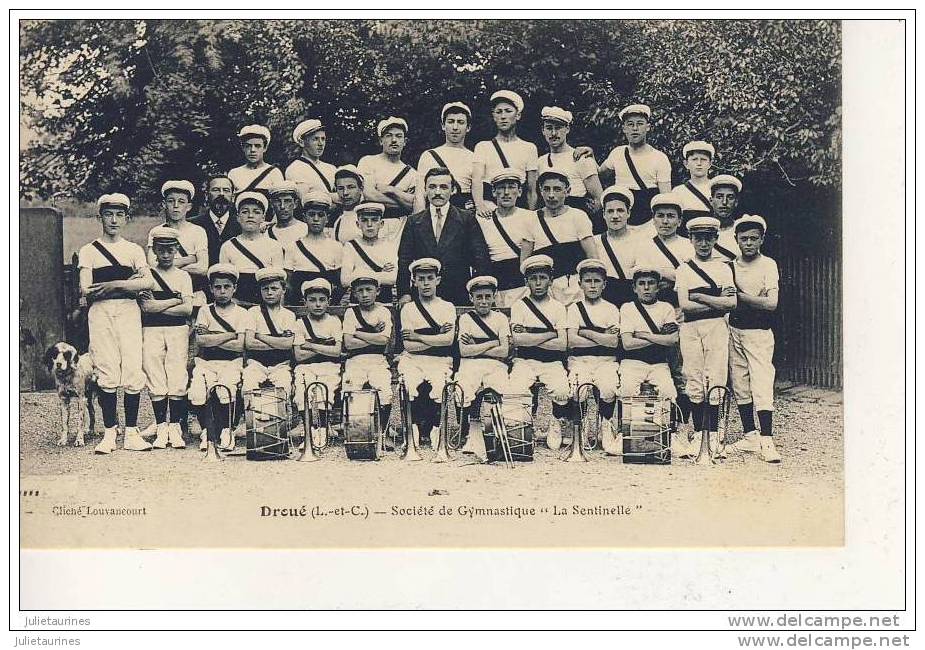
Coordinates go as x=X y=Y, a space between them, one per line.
x=132 y=440
x=226 y=442
x=175 y=436
x=108 y=444
x=150 y=431
x=748 y=443
x=768 y=450
x=681 y=446
x=203 y=441
x=163 y=432
x=554 y=434
x=611 y=441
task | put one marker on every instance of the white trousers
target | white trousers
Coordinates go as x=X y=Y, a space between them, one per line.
x=116 y=344
x=750 y=367
x=209 y=374
x=705 y=356
x=371 y=368
x=256 y=373
x=634 y=372
x=164 y=354
x=475 y=374
x=418 y=368
x=326 y=372
x=549 y=373
x=603 y=372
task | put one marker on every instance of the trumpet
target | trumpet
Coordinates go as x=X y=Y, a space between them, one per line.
x=451 y=391
x=311 y=423
x=576 y=453
x=410 y=450
x=707 y=455
x=500 y=428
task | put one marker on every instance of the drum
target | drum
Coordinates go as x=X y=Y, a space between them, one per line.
x=266 y=424
x=645 y=424
x=361 y=424
x=516 y=410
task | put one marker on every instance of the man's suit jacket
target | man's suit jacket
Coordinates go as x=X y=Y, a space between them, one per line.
x=461 y=246
x=231 y=229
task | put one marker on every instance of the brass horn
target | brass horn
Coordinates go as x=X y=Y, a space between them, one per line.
x=576 y=453
x=451 y=391
x=411 y=450
x=706 y=455
x=500 y=429
x=310 y=450
x=583 y=404
x=212 y=454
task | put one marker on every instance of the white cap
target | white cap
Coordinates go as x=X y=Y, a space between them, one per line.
x=666 y=198
x=556 y=114
x=746 y=220
x=703 y=223
x=254 y=130
x=698 y=145
x=536 y=262
x=349 y=170
x=553 y=171
x=645 y=269
x=481 y=281
x=113 y=199
x=457 y=105
x=509 y=174
x=619 y=192
x=182 y=186
x=319 y=284
x=508 y=96
x=223 y=269
x=725 y=180
x=250 y=196
x=268 y=274
x=369 y=207
x=636 y=109
x=367 y=279
x=305 y=128
x=426 y=263
x=391 y=121
x=318 y=198
x=284 y=187
x=591 y=264
x=164 y=235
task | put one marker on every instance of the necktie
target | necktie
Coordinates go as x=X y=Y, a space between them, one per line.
x=438 y=224
x=219 y=224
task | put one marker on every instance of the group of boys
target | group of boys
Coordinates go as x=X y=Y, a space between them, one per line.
x=637 y=302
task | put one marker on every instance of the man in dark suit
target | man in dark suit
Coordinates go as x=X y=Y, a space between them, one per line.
x=217 y=218
x=444 y=232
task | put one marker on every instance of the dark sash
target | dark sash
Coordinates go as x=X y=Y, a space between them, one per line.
x=703 y=199
x=246 y=253
x=364 y=324
x=161 y=319
x=641 y=197
x=506 y=237
x=433 y=327
x=565 y=255
x=215 y=353
x=652 y=353
x=703 y=274
x=586 y=317
x=613 y=257
x=539 y=315
x=504 y=162
x=712 y=290
x=221 y=321
x=633 y=170
x=456 y=187
x=490 y=334
x=115 y=271
x=271 y=234
x=364 y=327
x=666 y=252
x=107 y=254
x=265 y=312
x=166 y=291
x=307 y=322
x=365 y=257
x=180 y=248
x=308 y=255
x=724 y=251
x=591 y=350
x=324 y=180
x=404 y=172
x=259 y=177
x=273 y=356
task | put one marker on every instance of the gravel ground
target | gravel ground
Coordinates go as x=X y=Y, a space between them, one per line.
x=740 y=502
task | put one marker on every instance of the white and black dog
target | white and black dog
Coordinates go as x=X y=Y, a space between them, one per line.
x=75 y=379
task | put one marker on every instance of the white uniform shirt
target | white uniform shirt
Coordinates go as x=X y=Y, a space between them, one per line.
x=458 y=160
x=378 y=313
x=578 y=170
x=653 y=167
x=515 y=225
x=378 y=171
x=687 y=279
x=650 y=254
x=380 y=252
x=282 y=318
x=551 y=308
x=689 y=200
x=177 y=279
x=758 y=277
x=329 y=253
x=520 y=155
x=496 y=321
x=193 y=239
x=328 y=327
x=233 y=314
x=631 y=320
x=626 y=251
x=603 y=314
x=440 y=310
x=345 y=227
x=572 y=225
x=295 y=230
x=269 y=251
x=727 y=239
x=126 y=253
x=307 y=179
x=242 y=176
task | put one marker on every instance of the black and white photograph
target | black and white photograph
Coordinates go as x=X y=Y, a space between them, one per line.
x=471 y=283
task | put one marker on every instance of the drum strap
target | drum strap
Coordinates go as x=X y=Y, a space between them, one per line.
x=482 y=325
x=269 y=320
x=221 y=321
x=324 y=180
x=308 y=255
x=539 y=314
x=404 y=172
x=259 y=177
x=246 y=253
x=646 y=317
x=725 y=251
x=633 y=170
x=433 y=326
x=313 y=336
x=700 y=195
x=365 y=256
x=506 y=237
x=504 y=162
x=666 y=252
x=703 y=274
x=613 y=257
x=440 y=161
x=180 y=248
x=586 y=317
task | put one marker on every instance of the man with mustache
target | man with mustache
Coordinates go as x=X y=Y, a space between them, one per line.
x=308 y=171
x=456 y=122
x=387 y=179
x=218 y=220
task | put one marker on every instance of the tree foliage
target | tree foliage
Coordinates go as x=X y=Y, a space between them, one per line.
x=128 y=103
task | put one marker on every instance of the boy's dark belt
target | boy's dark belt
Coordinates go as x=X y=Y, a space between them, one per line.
x=712 y=313
x=269 y=357
x=507 y=273
x=369 y=349
x=440 y=351
x=565 y=257
x=534 y=353
x=216 y=353
x=649 y=354
x=593 y=351
x=748 y=318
